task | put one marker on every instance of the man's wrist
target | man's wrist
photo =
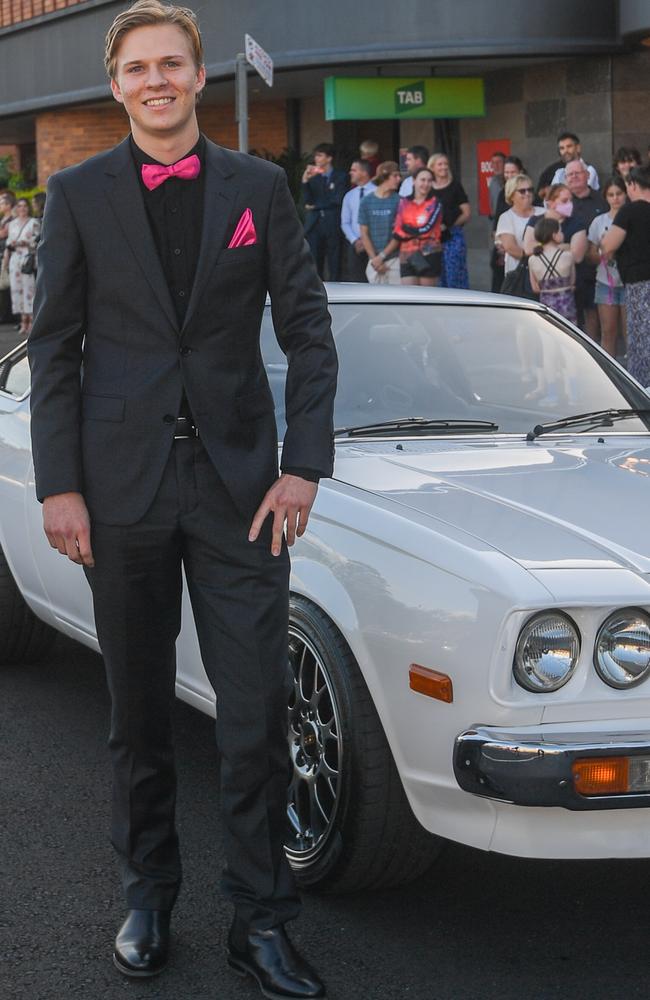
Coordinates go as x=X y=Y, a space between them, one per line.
x=311 y=475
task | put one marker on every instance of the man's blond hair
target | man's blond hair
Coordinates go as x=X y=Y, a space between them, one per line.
x=146 y=13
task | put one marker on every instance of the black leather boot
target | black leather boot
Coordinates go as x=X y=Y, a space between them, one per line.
x=273 y=961
x=142 y=943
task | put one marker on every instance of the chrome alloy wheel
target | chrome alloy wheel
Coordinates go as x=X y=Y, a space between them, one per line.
x=316 y=752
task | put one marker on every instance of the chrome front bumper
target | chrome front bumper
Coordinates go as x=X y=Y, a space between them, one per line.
x=535 y=769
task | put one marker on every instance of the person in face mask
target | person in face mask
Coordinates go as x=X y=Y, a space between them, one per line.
x=559 y=206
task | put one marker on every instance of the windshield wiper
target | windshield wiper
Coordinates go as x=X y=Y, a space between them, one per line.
x=410 y=424
x=594 y=418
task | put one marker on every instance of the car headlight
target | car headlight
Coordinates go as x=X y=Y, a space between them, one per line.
x=622 y=653
x=547 y=652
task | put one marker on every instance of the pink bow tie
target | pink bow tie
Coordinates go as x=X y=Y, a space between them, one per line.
x=153 y=175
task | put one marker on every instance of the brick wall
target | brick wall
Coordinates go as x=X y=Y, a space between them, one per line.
x=12 y=150
x=69 y=135
x=16 y=11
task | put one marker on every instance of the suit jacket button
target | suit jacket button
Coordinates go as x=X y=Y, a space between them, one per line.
x=169 y=419
x=186 y=351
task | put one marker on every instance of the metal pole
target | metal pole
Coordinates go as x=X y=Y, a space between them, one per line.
x=241 y=100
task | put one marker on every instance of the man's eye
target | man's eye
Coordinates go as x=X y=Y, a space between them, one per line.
x=134 y=69
x=172 y=63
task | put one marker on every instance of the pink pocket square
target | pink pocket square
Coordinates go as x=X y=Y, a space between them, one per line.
x=244 y=234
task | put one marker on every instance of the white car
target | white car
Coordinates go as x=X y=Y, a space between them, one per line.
x=470 y=617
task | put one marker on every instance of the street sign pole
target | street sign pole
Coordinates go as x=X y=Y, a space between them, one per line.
x=260 y=61
x=241 y=100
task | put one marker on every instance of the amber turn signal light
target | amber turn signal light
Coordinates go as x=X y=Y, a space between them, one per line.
x=431 y=682
x=601 y=775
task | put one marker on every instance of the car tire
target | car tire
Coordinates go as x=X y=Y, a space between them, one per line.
x=23 y=637
x=351 y=826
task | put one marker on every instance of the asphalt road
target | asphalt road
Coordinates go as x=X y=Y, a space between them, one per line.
x=476 y=926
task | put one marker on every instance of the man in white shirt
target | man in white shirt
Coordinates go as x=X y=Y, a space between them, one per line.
x=569 y=148
x=356 y=258
x=416 y=157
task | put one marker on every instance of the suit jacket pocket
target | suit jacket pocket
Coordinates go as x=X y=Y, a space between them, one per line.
x=240 y=255
x=255 y=404
x=102 y=407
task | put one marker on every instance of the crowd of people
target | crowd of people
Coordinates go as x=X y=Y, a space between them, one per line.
x=579 y=246
x=393 y=229
x=574 y=243
x=20 y=230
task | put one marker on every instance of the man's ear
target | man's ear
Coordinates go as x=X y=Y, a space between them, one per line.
x=117 y=93
x=200 y=79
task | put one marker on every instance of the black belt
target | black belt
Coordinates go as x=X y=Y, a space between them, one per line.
x=185 y=428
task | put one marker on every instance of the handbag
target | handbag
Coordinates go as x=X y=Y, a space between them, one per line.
x=29 y=263
x=517 y=282
x=419 y=262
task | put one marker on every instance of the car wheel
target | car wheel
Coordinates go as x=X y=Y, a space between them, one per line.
x=350 y=824
x=23 y=637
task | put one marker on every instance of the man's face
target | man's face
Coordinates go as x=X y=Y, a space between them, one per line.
x=577 y=179
x=497 y=165
x=322 y=161
x=568 y=149
x=358 y=176
x=394 y=181
x=156 y=79
x=413 y=163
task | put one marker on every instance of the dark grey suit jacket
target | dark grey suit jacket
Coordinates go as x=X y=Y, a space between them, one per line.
x=109 y=362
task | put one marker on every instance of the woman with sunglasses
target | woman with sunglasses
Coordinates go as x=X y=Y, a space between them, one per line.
x=511 y=226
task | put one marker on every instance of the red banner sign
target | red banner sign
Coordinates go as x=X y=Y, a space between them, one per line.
x=485 y=150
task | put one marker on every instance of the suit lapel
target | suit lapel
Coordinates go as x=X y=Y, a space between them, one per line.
x=219 y=197
x=125 y=197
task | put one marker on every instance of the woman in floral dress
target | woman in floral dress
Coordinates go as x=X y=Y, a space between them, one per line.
x=22 y=238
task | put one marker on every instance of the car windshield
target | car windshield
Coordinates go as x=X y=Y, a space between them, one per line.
x=515 y=367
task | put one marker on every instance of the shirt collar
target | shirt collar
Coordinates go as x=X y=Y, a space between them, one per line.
x=140 y=157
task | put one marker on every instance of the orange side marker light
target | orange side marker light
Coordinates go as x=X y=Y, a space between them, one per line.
x=431 y=682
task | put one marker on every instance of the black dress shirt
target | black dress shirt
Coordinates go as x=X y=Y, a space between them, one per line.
x=175 y=213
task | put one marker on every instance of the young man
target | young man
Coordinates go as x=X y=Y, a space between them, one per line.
x=356 y=258
x=416 y=157
x=376 y=217
x=155 y=262
x=323 y=188
x=569 y=148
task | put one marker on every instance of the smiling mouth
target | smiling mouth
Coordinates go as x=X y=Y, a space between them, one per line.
x=158 y=102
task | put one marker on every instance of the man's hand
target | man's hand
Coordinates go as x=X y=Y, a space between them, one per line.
x=358 y=246
x=67 y=526
x=378 y=264
x=290 y=499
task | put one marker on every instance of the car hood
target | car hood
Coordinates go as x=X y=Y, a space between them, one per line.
x=576 y=502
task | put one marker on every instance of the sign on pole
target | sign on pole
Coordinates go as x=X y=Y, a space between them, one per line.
x=259 y=59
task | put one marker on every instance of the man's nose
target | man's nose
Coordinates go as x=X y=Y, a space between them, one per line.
x=156 y=77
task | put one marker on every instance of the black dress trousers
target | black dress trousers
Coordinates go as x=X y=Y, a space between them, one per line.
x=239 y=595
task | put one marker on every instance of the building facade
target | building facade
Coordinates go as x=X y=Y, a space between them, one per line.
x=583 y=66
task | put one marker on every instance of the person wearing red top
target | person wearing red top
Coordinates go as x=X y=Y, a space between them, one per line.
x=418 y=228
